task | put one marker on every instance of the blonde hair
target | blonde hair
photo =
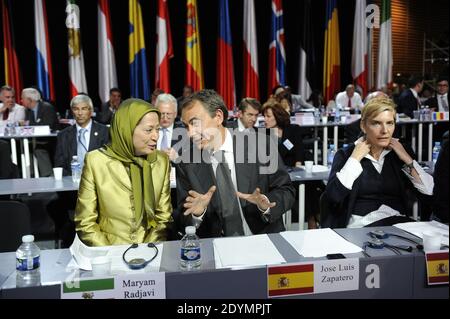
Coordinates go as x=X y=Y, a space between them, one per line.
x=376 y=106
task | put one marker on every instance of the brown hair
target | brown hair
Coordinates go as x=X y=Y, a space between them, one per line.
x=281 y=116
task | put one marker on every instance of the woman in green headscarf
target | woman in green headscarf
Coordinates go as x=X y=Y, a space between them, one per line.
x=124 y=194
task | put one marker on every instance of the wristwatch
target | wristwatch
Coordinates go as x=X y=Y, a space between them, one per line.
x=409 y=167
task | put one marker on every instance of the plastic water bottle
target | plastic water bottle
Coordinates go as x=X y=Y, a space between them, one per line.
x=436 y=151
x=190 y=257
x=330 y=155
x=28 y=261
x=76 y=169
x=337 y=115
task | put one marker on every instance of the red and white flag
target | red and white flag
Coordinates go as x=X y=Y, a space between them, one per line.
x=359 y=57
x=251 y=77
x=164 y=50
x=107 y=76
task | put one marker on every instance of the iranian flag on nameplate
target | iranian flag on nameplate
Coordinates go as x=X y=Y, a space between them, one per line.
x=150 y=285
x=437 y=267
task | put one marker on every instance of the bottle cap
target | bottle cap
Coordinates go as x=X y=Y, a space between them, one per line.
x=75 y=157
x=28 y=238
x=190 y=230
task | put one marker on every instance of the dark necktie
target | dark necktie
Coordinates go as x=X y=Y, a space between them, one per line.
x=349 y=103
x=5 y=114
x=230 y=206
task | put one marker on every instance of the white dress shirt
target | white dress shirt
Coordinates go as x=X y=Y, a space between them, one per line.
x=87 y=134
x=169 y=134
x=342 y=101
x=16 y=114
x=442 y=99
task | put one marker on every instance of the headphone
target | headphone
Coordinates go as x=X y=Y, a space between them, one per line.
x=379 y=234
x=376 y=243
x=139 y=263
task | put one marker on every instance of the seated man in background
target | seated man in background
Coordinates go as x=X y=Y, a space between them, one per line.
x=247 y=116
x=85 y=136
x=38 y=113
x=349 y=99
x=110 y=107
x=10 y=111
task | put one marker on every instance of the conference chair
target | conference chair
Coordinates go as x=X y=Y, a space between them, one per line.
x=15 y=222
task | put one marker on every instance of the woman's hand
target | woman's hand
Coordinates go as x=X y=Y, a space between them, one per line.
x=361 y=149
x=398 y=148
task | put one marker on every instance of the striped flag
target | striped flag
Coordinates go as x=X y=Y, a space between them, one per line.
x=385 y=59
x=437 y=267
x=225 y=66
x=359 y=56
x=290 y=280
x=251 y=74
x=44 y=71
x=107 y=75
x=277 y=54
x=164 y=49
x=331 y=59
x=139 y=82
x=13 y=75
x=194 y=69
x=306 y=80
x=76 y=60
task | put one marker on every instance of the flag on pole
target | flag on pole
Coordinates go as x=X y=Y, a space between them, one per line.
x=331 y=60
x=76 y=60
x=251 y=75
x=225 y=66
x=194 y=70
x=164 y=49
x=308 y=64
x=359 y=56
x=44 y=71
x=277 y=54
x=13 y=76
x=139 y=82
x=107 y=75
x=385 y=60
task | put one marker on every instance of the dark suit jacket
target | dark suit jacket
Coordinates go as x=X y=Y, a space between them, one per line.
x=200 y=177
x=105 y=115
x=66 y=146
x=46 y=115
x=341 y=200
x=7 y=168
x=433 y=103
x=407 y=103
x=292 y=134
x=441 y=181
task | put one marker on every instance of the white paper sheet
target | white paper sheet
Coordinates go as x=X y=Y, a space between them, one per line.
x=319 y=242
x=319 y=169
x=82 y=256
x=246 y=251
x=417 y=228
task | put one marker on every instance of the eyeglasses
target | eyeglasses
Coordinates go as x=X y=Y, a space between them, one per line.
x=139 y=263
x=167 y=115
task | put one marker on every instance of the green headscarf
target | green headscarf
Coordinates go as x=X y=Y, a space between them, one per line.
x=121 y=148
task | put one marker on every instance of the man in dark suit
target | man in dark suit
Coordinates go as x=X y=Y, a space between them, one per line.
x=85 y=136
x=109 y=108
x=439 y=103
x=249 y=110
x=41 y=113
x=229 y=189
x=408 y=102
x=171 y=132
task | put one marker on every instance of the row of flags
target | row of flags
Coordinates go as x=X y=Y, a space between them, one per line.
x=225 y=82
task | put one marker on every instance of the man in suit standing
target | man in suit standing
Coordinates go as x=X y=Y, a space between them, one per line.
x=76 y=140
x=41 y=113
x=228 y=190
x=249 y=110
x=408 y=102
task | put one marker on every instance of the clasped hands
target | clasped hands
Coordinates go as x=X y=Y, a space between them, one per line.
x=196 y=203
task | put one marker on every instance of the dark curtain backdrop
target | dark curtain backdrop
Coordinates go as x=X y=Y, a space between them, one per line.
x=208 y=14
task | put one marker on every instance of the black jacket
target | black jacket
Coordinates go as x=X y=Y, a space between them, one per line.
x=46 y=115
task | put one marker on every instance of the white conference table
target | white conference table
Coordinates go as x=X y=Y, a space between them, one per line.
x=25 y=151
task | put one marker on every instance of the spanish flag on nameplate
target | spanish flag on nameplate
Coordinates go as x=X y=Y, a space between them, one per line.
x=290 y=280
x=437 y=268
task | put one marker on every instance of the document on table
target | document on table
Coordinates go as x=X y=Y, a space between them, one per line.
x=319 y=242
x=82 y=256
x=245 y=251
x=417 y=228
